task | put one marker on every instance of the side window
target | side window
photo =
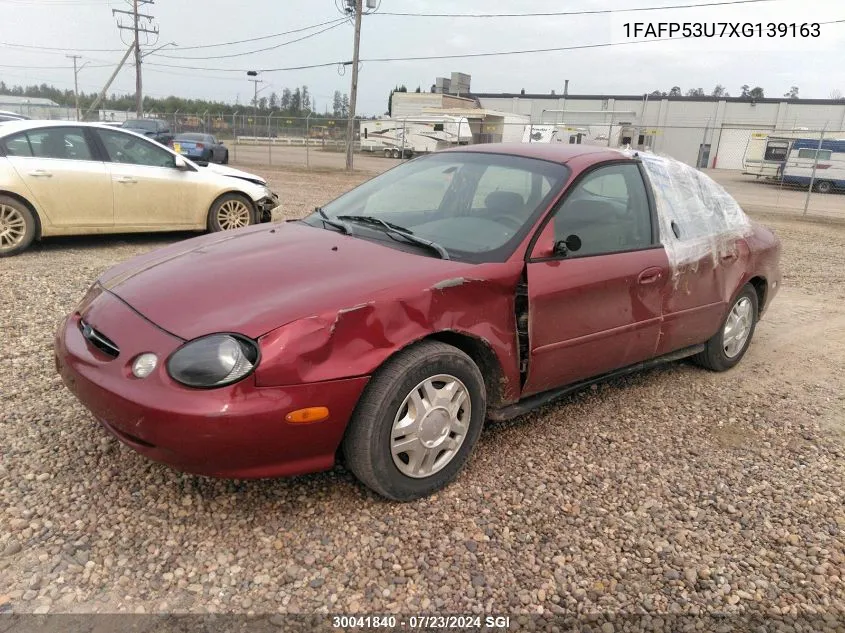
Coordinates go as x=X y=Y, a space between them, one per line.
x=17 y=145
x=811 y=154
x=62 y=143
x=131 y=150
x=608 y=212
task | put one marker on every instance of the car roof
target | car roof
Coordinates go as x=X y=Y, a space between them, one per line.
x=12 y=127
x=554 y=152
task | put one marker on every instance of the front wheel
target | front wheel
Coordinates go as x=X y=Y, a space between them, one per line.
x=727 y=347
x=225 y=160
x=417 y=422
x=229 y=212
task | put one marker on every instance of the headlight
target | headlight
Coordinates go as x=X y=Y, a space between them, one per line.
x=213 y=361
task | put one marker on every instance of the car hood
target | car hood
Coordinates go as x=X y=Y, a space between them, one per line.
x=234 y=173
x=253 y=280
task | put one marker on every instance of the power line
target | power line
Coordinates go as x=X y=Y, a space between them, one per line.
x=260 y=50
x=452 y=56
x=264 y=37
x=65 y=49
x=561 y=13
x=390 y=59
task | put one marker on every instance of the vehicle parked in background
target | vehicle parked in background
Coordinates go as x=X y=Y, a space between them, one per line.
x=801 y=167
x=387 y=326
x=397 y=138
x=5 y=115
x=200 y=147
x=156 y=129
x=59 y=178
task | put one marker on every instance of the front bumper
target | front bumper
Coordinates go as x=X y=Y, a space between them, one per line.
x=269 y=208
x=237 y=431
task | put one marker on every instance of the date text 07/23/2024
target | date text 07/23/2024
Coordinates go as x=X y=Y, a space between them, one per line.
x=422 y=622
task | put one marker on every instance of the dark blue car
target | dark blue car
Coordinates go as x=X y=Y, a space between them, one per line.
x=200 y=147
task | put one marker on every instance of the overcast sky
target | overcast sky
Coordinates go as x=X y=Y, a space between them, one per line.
x=813 y=64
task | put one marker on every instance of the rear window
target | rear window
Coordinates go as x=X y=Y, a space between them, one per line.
x=139 y=124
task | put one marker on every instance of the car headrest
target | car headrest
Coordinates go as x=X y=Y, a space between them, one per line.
x=504 y=201
x=53 y=146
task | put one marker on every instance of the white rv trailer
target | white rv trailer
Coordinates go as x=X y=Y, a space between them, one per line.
x=807 y=161
x=765 y=153
x=558 y=133
x=405 y=137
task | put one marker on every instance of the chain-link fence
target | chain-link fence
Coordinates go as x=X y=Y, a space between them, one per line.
x=795 y=169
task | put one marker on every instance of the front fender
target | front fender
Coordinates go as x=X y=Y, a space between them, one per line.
x=356 y=340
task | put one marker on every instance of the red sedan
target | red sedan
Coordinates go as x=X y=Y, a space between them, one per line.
x=387 y=326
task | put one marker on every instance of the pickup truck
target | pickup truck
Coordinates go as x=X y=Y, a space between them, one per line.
x=156 y=129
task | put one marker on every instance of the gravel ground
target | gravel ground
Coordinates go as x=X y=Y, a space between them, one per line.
x=672 y=491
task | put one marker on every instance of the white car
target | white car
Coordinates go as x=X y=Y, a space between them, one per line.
x=60 y=178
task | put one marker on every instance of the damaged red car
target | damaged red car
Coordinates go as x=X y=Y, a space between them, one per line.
x=387 y=326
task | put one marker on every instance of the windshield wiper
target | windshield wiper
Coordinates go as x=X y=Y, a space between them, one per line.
x=343 y=227
x=391 y=228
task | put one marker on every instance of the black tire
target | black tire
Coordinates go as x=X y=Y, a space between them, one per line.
x=714 y=356
x=225 y=160
x=396 y=153
x=366 y=445
x=12 y=213
x=824 y=186
x=214 y=224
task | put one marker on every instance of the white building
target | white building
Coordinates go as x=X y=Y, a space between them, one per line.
x=36 y=108
x=702 y=131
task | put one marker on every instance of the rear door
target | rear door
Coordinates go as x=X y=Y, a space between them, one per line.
x=595 y=306
x=66 y=176
x=149 y=191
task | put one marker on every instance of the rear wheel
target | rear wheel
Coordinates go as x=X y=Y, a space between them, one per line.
x=387 y=153
x=417 y=422
x=823 y=186
x=727 y=347
x=229 y=212
x=396 y=153
x=17 y=226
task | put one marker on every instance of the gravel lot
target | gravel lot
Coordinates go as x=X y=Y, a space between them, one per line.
x=672 y=491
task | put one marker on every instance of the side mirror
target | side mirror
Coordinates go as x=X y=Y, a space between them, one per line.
x=570 y=245
x=180 y=163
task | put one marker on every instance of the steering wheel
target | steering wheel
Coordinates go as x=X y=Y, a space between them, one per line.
x=508 y=221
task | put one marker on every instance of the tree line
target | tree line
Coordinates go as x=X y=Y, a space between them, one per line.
x=291 y=102
x=746 y=91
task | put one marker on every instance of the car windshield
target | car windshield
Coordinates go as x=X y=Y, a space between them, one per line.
x=141 y=125
x=477 y=206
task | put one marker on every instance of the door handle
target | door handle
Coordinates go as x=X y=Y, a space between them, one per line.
x=41 y=173
x=650 y=276
x=127 y=180
x=729 y=256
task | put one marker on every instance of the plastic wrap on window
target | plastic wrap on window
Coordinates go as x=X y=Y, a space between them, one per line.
x=697 y=217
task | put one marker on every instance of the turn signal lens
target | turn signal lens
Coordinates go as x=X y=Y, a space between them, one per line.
x=308 y=416
x=144 y=365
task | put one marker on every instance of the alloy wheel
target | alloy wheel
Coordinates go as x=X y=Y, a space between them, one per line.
x=233 y=214
x=12 y=227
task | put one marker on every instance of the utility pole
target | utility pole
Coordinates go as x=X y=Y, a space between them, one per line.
x=75 y=82
x=353 y=97
x=137 y=29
